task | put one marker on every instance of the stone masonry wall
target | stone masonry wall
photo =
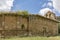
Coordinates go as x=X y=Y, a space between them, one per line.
x=33 y=25
x=41 y=26
x=13 y=25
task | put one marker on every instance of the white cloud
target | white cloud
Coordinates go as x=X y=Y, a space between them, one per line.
x=56 y=12
x=5 y=5
x=49 y=4
x=56 y=4
x=43 y=11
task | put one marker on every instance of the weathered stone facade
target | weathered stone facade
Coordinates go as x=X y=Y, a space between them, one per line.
x=22 y=25
x=39 y=25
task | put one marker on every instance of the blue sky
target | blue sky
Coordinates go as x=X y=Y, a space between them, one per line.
x=34 y=6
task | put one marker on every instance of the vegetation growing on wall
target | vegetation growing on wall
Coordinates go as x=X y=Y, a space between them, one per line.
x=22 y=12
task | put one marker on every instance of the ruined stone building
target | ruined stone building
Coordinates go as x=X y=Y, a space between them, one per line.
x=13 y=24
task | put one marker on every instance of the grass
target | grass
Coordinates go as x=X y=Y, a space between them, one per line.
x=33 y=38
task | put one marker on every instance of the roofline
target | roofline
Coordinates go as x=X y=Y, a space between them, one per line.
x=15 y=13
x=46 y=18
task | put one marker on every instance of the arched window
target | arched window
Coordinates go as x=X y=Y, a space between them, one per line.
x=22 y=26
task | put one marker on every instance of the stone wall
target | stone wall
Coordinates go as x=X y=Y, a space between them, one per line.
x=13 y=25
x=42 y=26
x=33 y=25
